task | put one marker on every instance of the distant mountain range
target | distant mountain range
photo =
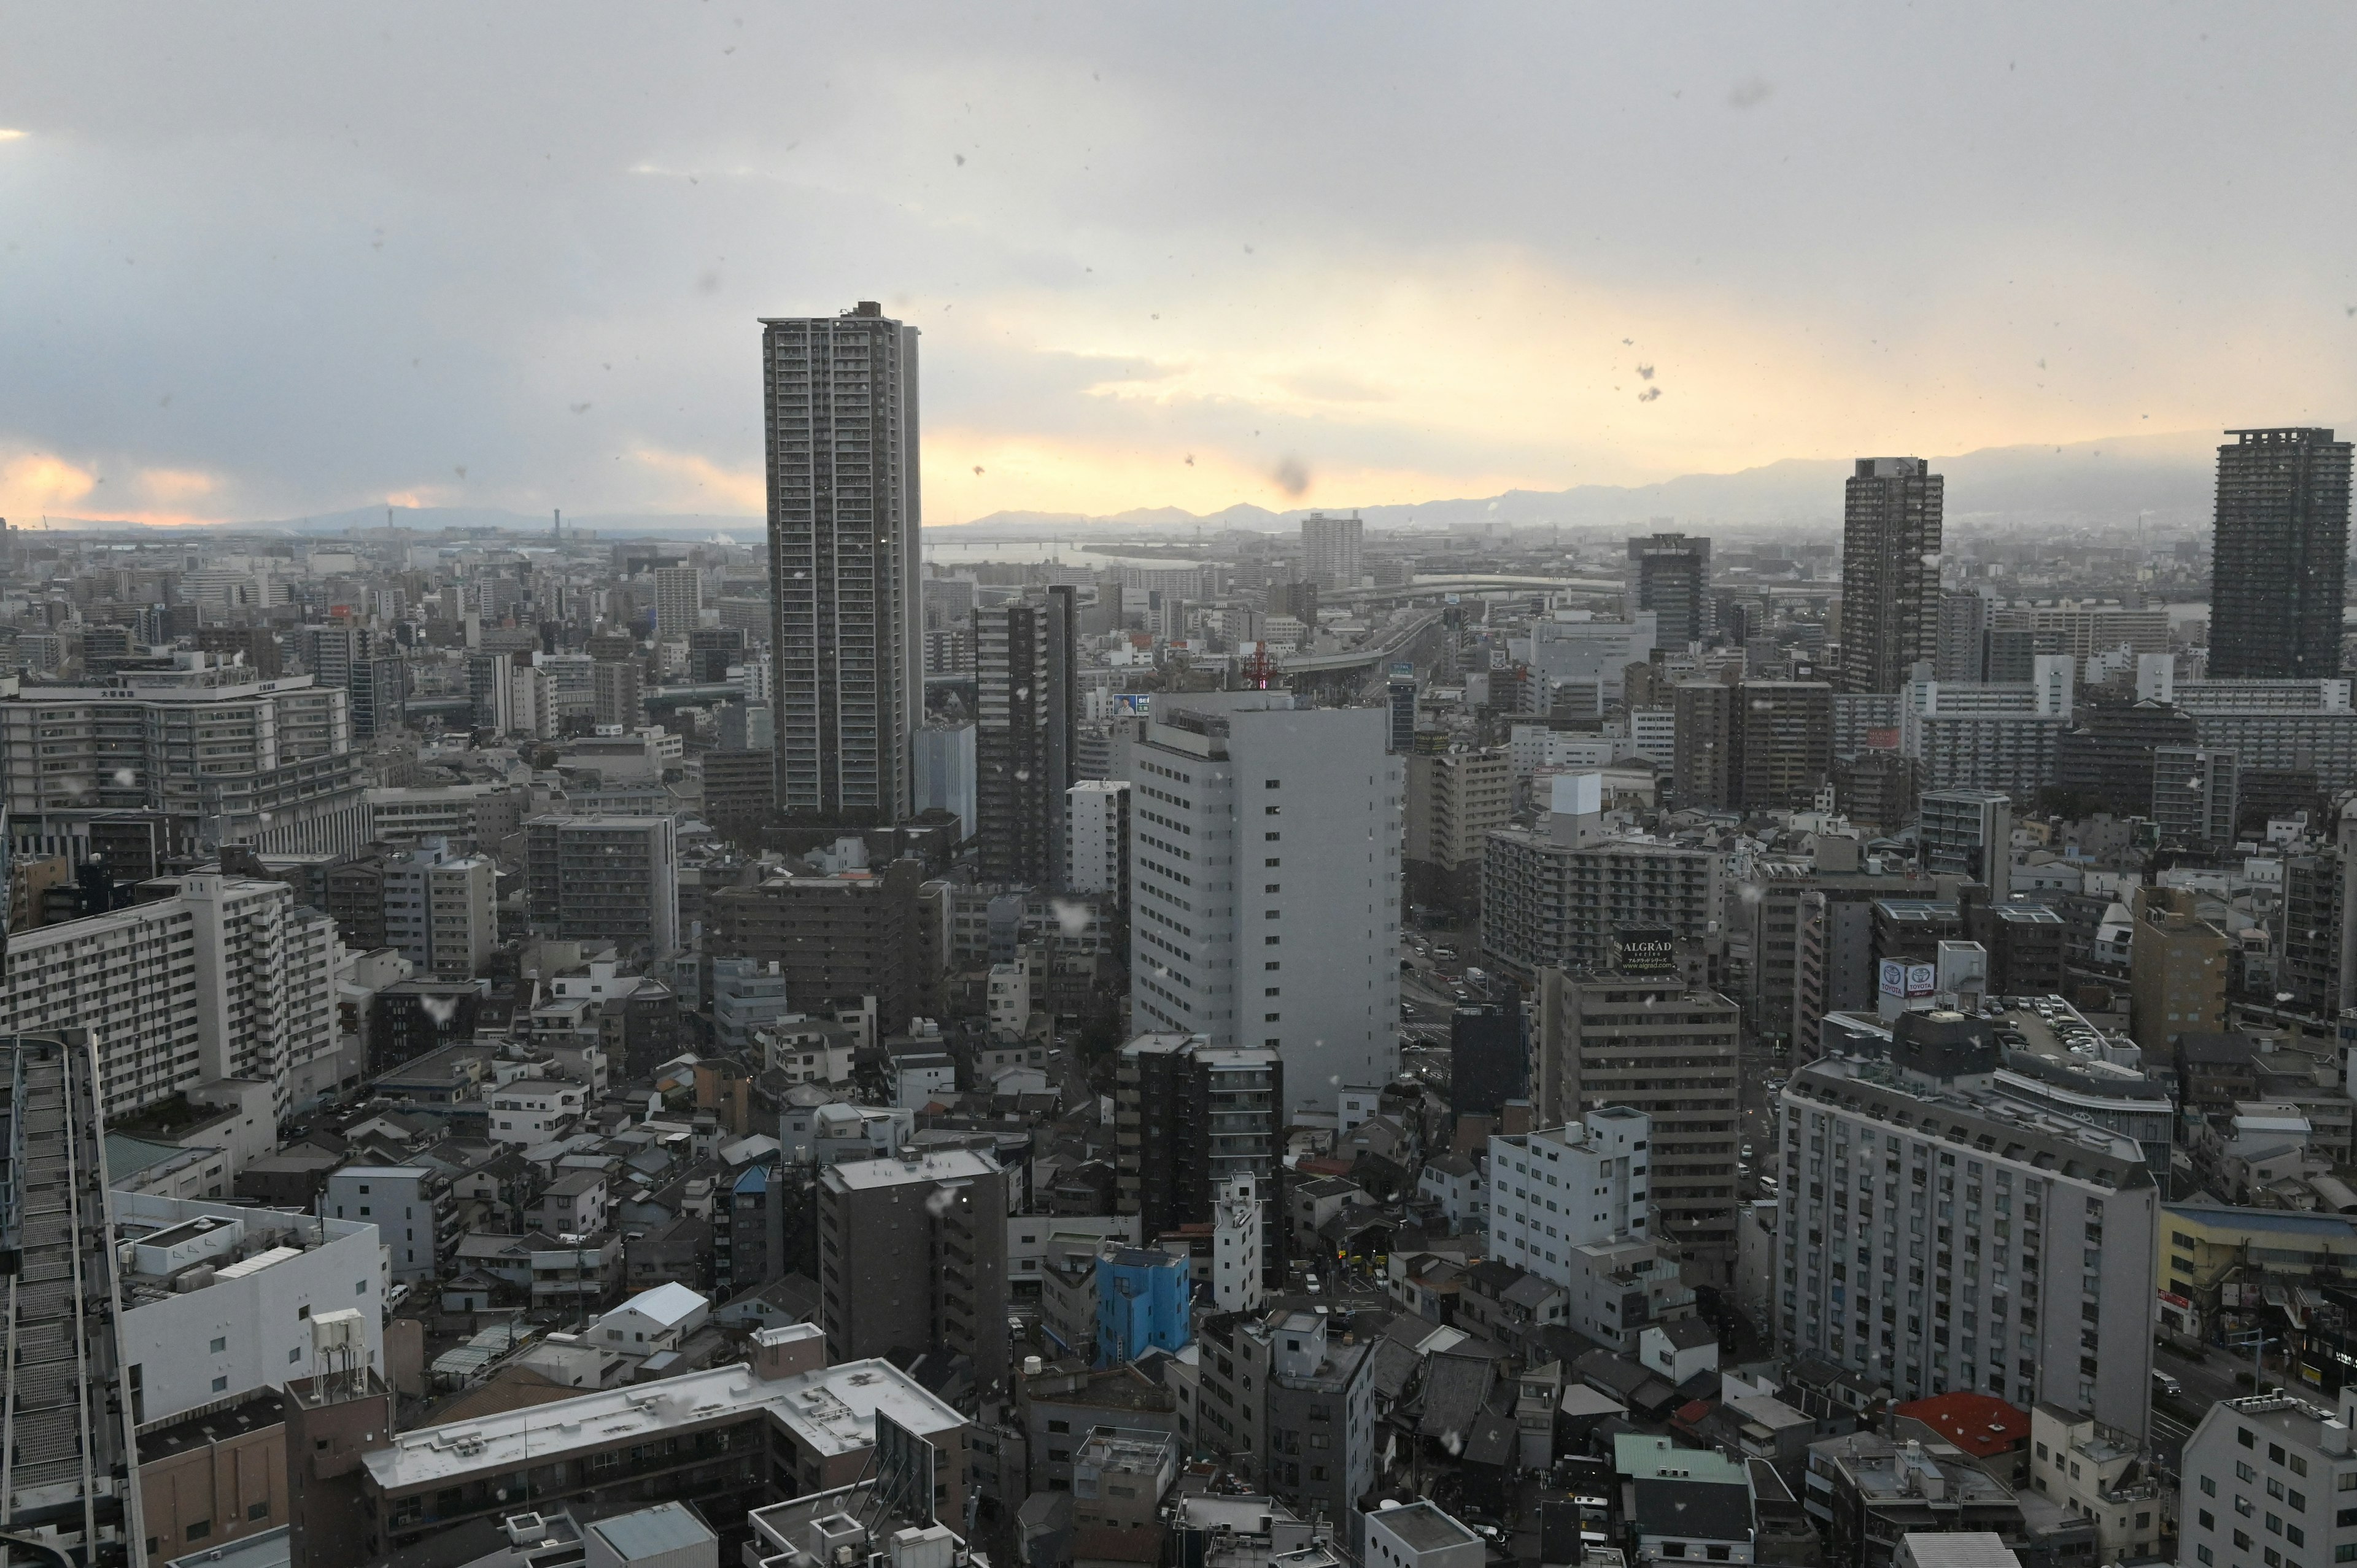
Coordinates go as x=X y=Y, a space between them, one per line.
x=2167 y=478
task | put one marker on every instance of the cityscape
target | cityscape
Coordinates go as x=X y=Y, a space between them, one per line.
x=1353 y=1013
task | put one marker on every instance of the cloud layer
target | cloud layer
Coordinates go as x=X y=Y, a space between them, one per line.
x=265 y=261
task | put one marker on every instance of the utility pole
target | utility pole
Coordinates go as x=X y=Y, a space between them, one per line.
x=2258 y=1340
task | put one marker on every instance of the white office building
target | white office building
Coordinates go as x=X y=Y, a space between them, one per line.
x=1573 y=646
x=1941 y=1233
x=1096 y=837
x=1265 y=883
x=1573 y=1206
x=399 y=1200
x=218 y=1300
x=1561 y=1187
x=2265 y=1483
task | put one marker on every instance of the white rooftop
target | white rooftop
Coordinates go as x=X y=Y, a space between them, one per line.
x=832 y=1411
x=670 y=1302
x=950 y=1164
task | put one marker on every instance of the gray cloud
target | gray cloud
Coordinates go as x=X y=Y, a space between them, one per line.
x=327 y=254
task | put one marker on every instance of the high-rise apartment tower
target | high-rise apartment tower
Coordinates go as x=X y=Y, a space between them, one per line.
x=844 y=514
x=1890 y=571
x=1331 y=550
x=1025 y=656
x=2278 y=560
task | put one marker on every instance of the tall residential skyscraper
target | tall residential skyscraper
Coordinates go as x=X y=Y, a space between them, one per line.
x=845 y=641
x=1026 y=657
x=1670 y=574
x=2276 y=561
x=1890 y=571
x=1331 y=549
x=1961 y=652
x=1265 y=890
x=679 y=602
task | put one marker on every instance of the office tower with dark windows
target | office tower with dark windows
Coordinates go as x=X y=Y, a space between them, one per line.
x=1025 y=658
x=1890 y=571
x=845 y=644
x=711 y=652
x=1669 y=575
x=2279 y=556
x=1191 y=1118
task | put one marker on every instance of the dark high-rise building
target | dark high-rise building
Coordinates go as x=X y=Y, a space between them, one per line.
x=2278 y=555
x=1669 y=575
x=837 y=939
x=1489 y=1058
x=1027 y=689
x=1758 y=746
x=912 y=1255
x=846 y=645
x=1890 y=571
x=1399 y=696
x=711 y=650
x=1961 y=652
x=254 y=646
x=380 y=691
x=1191 y=1116
x=2107 y=758
x=1875 y=790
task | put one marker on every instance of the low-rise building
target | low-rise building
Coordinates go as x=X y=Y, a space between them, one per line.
x=2103 y=1476
x=1420 y=1535
x=726 y=1439
x=218 y=1300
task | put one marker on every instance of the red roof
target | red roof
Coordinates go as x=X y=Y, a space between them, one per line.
x=1980 y=1425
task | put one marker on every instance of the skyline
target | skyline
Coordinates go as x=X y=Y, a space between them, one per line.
x=254 y=282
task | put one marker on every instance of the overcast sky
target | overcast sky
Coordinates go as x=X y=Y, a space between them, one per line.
x=261 y=261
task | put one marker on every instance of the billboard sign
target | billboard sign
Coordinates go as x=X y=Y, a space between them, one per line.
x=1903 y=978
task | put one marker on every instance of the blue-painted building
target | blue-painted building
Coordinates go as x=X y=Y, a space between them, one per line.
x=1142 y=1299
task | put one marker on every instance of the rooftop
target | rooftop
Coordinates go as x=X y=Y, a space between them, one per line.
x=1980 y=1425
x=954 y=1164
x=832 y=1411
x=258 y=1413
x=1987 y=1122
x=1424 y=1528
x=1642 y=1456
x=653 y=1533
